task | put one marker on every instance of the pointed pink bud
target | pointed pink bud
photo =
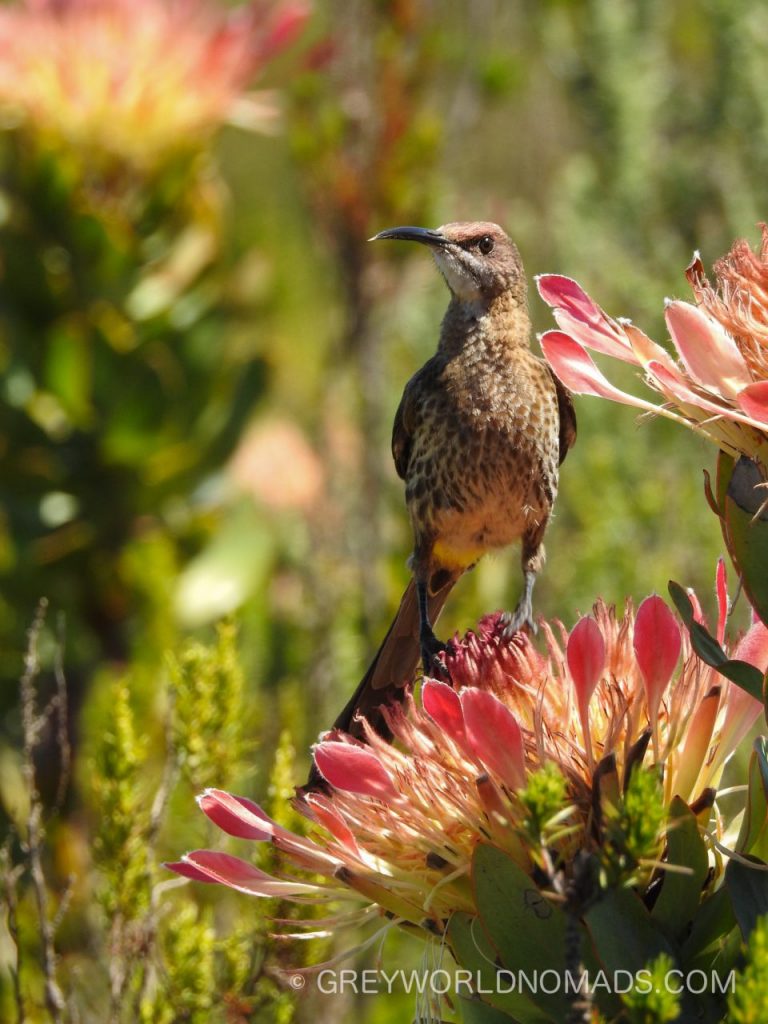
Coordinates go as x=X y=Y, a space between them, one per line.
x=442 y=704
x=753 y=400
x=585 y=655
x=721 y=589
x=236 y=815
x=213 y=866
x=709 y=353
x=577 y=370
x=657 y=642
x=354 y=769
x=494 y=735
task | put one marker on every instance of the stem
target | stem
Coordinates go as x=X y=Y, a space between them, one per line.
x=33 y=847
x=10 y=875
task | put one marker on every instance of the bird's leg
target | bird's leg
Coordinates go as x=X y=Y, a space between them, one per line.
x=522 y=616
x=431 y=647
x=533 y=560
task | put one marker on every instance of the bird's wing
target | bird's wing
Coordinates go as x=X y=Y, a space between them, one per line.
x=402 y=430
x=567 y=417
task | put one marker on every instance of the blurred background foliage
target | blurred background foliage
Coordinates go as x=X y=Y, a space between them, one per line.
x=201 y=358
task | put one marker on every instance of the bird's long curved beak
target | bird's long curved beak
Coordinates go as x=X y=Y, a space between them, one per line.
x=409 y=234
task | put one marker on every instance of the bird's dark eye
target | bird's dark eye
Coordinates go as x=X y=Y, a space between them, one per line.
x=485 y=245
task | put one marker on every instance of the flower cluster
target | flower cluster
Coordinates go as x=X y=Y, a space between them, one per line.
x=135 y=78
x=719 y=383
x=399 y=822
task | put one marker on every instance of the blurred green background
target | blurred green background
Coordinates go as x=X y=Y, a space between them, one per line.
x=201 y=358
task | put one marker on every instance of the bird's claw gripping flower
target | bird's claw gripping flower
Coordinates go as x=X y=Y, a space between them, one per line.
x=399 y=823
x=718 y=385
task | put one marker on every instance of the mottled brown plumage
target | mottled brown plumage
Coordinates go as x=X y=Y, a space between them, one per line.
x=478 y=438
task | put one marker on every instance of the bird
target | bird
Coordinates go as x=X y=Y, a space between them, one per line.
x=478 y=438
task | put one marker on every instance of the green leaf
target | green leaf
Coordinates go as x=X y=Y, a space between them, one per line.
x=474 y=1011
x=474 y=953
x=748 y=890
x=510 y=906
x=711 y=653
x=623 y=932
x=711 y=926
x=681 y=893
x=753 y=836
x=747 y=532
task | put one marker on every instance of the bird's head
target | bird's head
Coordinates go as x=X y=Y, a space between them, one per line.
x=477 y=259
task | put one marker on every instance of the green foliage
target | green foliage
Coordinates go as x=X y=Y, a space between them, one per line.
x=652 y=1001
x=209 y=719
x=748 y=1002
x=190 y=986
x=121 y=797
x=634 y=827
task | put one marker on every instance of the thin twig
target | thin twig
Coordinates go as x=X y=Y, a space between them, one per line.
x=10 y=875
x=32 y=725
x=62 y=710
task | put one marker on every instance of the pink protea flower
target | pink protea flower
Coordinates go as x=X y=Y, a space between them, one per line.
x=136 y=78
x=718 y=385
x=399 y=823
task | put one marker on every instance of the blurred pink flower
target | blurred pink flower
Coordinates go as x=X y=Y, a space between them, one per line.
x=137 y=78
x=399 y=823
x=275 y=463
x=718 y=385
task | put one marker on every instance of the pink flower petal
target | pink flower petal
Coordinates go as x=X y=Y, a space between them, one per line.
x=646 y=350
x=580 y=317
x=742 y=709
x=657 y=642
x=709 y=353
x=577 y=370
x=673 y=386
x=721 y=590
x=354 y=769
x=442 y=704
x=325 y=814
x=562 y=292
x=753 y=399
x=753 y=646
x=693 y=756
x=285 y=26
x=186 y=870
x=610 y=342
x=236 y=815
x=494 y=735
x=239 y=874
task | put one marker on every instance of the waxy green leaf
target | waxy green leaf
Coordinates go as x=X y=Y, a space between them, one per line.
x=680 y=894
x=526 y=928
x=711 y=653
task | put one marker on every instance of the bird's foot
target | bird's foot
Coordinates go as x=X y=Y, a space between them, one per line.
x=431 y=649
x=520 y=619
